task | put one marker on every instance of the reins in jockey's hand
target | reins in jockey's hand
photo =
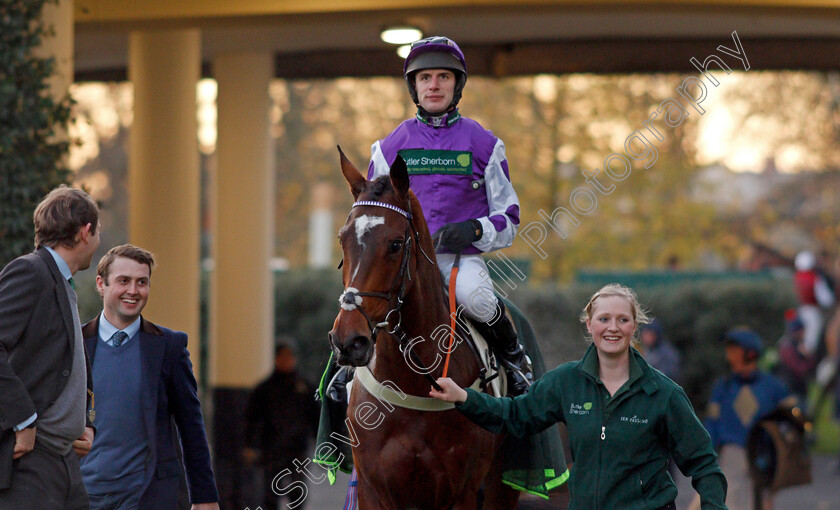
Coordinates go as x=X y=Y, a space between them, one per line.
x=351 y=298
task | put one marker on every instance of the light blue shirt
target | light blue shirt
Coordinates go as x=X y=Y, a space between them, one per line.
x=107 y=330
x=64 y=269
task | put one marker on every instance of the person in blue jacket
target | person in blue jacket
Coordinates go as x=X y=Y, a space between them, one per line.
x=738 y=402
x=150 y=428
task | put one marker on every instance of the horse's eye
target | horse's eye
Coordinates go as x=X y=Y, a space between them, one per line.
x=395 y=246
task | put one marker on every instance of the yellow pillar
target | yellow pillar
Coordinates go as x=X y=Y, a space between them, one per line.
x=59 y=45
x=242 y=326
x=163 y=173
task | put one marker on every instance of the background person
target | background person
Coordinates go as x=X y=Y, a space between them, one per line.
x=814 y=296
x=796 y=364
x=738 y=402
x=623 y=418
x=281 y=419
x=658 y=351
x=44 y=379
x=145 y=390
x=459 y=173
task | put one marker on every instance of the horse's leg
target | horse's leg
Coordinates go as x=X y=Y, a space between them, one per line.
x=370 y=503
x=497 y=495
x=469 y=502
x=366 y=497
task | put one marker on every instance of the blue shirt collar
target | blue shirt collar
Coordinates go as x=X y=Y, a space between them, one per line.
x=63 y=268
x=107 y=330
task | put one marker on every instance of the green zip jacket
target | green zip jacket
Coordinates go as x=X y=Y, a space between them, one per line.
x=619 y=444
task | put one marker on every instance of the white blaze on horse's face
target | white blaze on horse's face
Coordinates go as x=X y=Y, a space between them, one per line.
x=365 y=224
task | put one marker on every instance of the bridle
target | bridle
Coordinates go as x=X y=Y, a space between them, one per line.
x=351 y=298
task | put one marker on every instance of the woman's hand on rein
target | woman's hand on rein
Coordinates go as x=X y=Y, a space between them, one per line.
x=451 y=391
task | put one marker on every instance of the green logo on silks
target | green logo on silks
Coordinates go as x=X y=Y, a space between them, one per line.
x=587 y=405
x=427 y=162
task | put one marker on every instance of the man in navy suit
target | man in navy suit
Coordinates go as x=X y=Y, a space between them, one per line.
x=44 y=381
x=145 y=388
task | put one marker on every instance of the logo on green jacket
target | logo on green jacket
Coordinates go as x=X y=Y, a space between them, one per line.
x=427 y=162
x=580 y=409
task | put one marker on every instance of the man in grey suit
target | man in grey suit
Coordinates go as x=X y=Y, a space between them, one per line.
x=45 y=384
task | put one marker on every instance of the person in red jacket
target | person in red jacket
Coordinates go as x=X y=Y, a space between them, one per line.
x=814 y=295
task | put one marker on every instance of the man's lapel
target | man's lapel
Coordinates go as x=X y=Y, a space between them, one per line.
x=90 y=332
x=60 y=293
x=152 y=350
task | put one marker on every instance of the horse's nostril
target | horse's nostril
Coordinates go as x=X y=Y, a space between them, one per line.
x=358 y=343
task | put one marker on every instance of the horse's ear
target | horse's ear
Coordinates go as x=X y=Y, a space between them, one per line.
x=354 y=178
x=399 y=176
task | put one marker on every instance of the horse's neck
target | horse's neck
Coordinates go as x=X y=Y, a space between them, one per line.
x=423 y=312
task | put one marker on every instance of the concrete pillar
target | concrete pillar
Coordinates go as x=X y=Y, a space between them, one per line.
x=242 y=325
x=241 y=289
x=321 y=233
x=163 y=173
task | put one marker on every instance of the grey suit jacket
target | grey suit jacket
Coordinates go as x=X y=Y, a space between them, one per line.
x=36 y=344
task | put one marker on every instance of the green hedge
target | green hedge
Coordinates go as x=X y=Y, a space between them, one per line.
x=694 y=318
x=31 y=150
x=306 y=303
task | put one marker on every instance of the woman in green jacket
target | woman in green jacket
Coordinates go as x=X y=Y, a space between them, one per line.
x=624 y=418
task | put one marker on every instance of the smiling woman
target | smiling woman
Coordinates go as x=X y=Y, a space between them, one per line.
x=624 y=418
x=611 y=317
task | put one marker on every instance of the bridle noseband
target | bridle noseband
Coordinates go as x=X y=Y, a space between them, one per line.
x=351 y=298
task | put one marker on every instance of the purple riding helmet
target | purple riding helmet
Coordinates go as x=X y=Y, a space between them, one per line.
x=436 y=52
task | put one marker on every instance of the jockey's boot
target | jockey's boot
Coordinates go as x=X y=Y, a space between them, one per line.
x=501 y=336
x=337 y=388
x=337 y=401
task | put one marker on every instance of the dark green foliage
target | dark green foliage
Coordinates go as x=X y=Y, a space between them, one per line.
x=30 y=155
x=694 y=315
x=306 y=304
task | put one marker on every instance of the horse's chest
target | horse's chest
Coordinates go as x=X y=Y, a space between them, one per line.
x=412 y=444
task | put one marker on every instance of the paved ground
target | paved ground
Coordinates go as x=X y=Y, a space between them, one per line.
x=822 y=494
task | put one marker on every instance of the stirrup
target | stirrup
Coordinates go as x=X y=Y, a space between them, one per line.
x=520 y=375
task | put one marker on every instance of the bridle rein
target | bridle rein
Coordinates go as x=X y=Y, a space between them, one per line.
x=351 y=298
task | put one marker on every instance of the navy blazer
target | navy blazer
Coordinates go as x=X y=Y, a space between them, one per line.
x=170 y=399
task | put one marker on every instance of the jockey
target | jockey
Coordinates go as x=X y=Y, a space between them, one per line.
x=459 y=173
x=814 y=295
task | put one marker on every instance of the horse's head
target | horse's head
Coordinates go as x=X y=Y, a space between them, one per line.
x=379 y=245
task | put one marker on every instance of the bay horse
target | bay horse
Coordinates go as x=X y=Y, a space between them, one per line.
x=390 y=320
